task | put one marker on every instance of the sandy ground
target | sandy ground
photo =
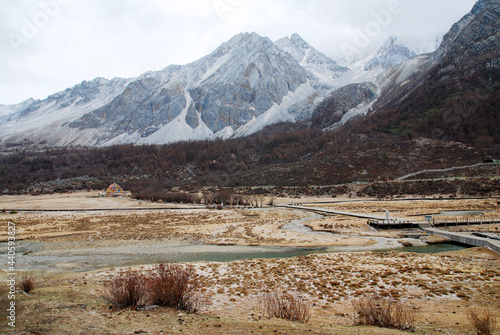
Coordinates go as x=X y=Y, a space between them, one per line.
x=71 y=255
x=76 y=201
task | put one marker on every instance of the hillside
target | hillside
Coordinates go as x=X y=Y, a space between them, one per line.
x=284 y=155
x=457 y=94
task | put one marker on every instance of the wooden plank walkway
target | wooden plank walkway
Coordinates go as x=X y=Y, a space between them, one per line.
x=466 y=239
x=393 y=224
x=331 y=211
x=456 y=221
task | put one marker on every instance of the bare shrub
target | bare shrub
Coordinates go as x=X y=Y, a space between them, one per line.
x=386 y=312
x=27 y=283
x=126 y=290
x=173 y=285
x=283 y=305
x=482 y=320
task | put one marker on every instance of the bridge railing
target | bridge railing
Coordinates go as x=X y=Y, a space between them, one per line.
x=461 y=221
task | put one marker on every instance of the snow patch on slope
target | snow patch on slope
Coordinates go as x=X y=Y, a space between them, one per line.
x=277 y=113
x=401 y=73
x=358 y=111
x=178 y=130
x=225 y=133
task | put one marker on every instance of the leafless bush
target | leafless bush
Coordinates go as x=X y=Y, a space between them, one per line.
x=482 y=320
x=169 y=285
x=173 y=285
x=288 y=306
x=27 y=283
x=386 y=312
x=126 y=290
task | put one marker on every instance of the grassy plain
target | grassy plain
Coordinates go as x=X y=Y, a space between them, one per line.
x=71 y=255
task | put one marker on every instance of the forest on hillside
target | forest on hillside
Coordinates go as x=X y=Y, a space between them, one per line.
x=283 y=155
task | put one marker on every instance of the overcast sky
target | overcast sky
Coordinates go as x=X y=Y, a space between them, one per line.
x=49 y=45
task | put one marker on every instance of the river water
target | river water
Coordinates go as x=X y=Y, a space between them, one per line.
x=153 y=252
x=382 y=243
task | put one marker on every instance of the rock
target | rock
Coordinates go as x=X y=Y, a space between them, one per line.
x=434 y=239
x=406 y=243
x=341 y=101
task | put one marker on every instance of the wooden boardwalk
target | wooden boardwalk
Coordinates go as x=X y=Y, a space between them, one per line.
x=466 y=239
x=331 y=211
x=461 y=238
x=393 y=224
x=376 y=221
x=472 y=220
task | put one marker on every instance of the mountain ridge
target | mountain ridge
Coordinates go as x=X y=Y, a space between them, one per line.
x=454 y=93
x=244 y=85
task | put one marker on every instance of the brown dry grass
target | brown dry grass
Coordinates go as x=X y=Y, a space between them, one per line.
x=383 y=311
x=285 y=305
x=441 y=287
x=228 y=227
x=126 y=290
x=72 y=303
x=482 y=320
x=27 y=283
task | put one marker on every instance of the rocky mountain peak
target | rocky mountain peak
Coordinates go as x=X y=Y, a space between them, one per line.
x=391 y=53
x=247 y=39
x=309 y=57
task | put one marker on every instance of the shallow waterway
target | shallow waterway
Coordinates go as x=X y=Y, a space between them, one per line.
x=382 y=243
x=44 y=255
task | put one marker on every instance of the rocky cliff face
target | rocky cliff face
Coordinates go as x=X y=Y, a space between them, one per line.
x=250 y=81
x=473 y=43
x=341 y=101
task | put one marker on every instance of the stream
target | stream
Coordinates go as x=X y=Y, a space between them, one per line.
x=382 y=243
x=33 y=255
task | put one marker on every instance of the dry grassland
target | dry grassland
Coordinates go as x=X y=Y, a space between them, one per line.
x=439 y=287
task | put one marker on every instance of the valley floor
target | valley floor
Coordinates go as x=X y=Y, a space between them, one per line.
x=72 y=254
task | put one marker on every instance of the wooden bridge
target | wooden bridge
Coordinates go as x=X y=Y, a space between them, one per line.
x=466 y=239
x=393 y=224
x=374 y=220
x=468 y=220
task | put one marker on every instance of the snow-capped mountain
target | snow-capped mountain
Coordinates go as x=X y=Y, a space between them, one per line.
x=392 y=53
x=310 y=58
x=246 y=84
x=243 y=86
